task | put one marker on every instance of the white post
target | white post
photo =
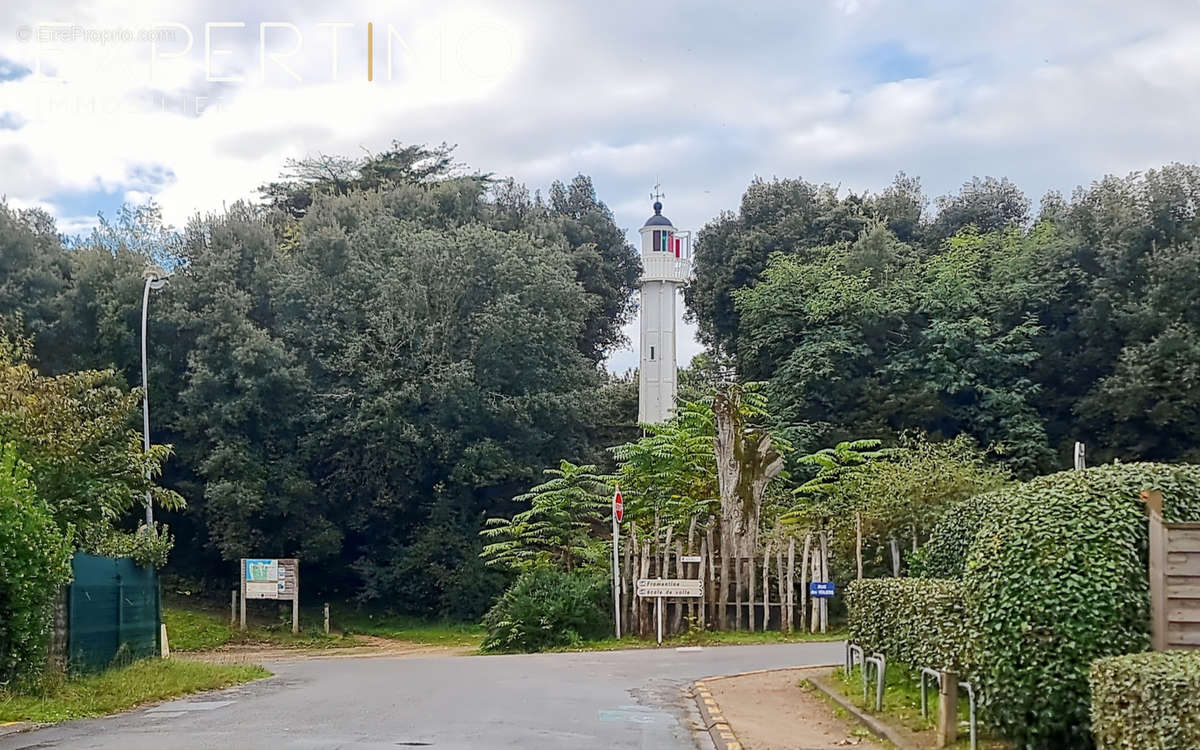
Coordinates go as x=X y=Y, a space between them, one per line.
x=616 y=536
x=1079 y=456
x=658 y=606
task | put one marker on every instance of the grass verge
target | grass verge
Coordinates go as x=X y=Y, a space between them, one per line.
x=120 y=689
x=902 y=703
x=199 y=630
x=411 y=629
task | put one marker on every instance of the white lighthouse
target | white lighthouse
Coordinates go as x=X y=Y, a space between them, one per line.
x=666 y=264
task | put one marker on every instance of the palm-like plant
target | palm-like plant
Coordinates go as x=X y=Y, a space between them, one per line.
x=557 y=527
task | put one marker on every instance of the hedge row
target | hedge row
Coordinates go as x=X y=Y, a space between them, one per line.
x=1146 y=701
x=1054 y=577
x=920 y=622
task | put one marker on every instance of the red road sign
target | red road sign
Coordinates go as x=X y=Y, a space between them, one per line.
x=618 y=505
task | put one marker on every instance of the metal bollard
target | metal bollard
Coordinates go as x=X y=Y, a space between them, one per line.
x=937 y=680
x=880 y=663
x=971 y=697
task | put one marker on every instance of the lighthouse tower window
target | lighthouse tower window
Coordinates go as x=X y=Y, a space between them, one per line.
x=651 y=353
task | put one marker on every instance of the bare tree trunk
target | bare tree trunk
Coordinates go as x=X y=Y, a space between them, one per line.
x=677 y=621
x=804 y=579
x=816 y=576
x=824 y=577
x=723 y=584
x=627 y=582
x=895 y=557
x=737 y=588
x=664 y=569
x=691 y=550
x=914 y=538
x=782 y=590
x=752 y=578
x=791 y=583
x=711 y=588
x=701 y=617
x=766 y=618
x=643 y=616
x=858 y=542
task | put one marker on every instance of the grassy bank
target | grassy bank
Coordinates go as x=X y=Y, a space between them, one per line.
x=902 y=703
x=411 y=630
x=200 y=630
x=193 y=628
x=120 y=689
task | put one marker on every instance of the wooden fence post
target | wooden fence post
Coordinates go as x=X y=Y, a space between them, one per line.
x=1158 y=569
x=947 y=727
x=791 y=583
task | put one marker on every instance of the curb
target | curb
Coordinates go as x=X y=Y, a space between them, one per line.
x=714 y=721
x=13 y=727
x=720 y=731
x=877 y=728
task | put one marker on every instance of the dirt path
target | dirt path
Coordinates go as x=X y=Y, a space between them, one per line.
x=369 y=645
x=770 y=711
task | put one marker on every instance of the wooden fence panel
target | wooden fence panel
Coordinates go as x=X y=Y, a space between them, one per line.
x=1174 y=579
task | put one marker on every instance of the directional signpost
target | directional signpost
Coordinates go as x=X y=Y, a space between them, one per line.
x=667 y=587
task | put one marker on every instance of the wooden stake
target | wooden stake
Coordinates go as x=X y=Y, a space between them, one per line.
x=947 y=727
x=752 y=575
x=804 y=580
x=766 y=620
x=782 y=591
x=824 y=536
x=791 y=588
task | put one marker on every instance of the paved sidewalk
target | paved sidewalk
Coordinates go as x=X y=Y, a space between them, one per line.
x=770 y=711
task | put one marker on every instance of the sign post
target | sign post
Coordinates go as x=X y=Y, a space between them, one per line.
x=660 y=588
x=618 y=514
x=269 y=578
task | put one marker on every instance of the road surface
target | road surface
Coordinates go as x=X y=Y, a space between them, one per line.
x=585 y=701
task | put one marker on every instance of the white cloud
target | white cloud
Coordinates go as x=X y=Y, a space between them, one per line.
x=1050 y=95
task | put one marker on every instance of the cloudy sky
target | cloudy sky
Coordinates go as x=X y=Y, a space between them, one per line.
x=698 y=96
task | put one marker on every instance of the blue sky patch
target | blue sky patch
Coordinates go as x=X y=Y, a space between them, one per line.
x=892 y=61
x=11 y=71
x=11 y=121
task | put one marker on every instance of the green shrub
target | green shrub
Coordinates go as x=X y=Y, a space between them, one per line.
x=945 y=554
x=1146 y=701
x=1056 y=578
x=548 y=608
x=34 y=563
x=920 y=622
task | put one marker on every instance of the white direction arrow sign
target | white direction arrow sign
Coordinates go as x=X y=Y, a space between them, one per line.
x=655 y=587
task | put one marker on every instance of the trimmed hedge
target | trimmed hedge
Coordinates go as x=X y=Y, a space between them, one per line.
x=1055 y=579
x=1144 y=701
x=945 y=554
x=35 y=560
x=920 y=622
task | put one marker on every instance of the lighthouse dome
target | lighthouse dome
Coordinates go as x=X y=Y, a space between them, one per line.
x=658 y=220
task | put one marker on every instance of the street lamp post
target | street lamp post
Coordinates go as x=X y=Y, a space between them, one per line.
x=156 y=282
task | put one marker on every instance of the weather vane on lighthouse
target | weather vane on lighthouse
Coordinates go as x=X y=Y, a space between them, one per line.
x=666 y=267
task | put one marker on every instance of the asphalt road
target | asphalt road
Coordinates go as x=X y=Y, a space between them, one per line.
x=598 y=700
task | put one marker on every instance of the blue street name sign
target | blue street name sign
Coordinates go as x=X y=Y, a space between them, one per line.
x=821 y=589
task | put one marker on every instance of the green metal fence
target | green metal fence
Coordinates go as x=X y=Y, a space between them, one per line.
x=113 y=612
